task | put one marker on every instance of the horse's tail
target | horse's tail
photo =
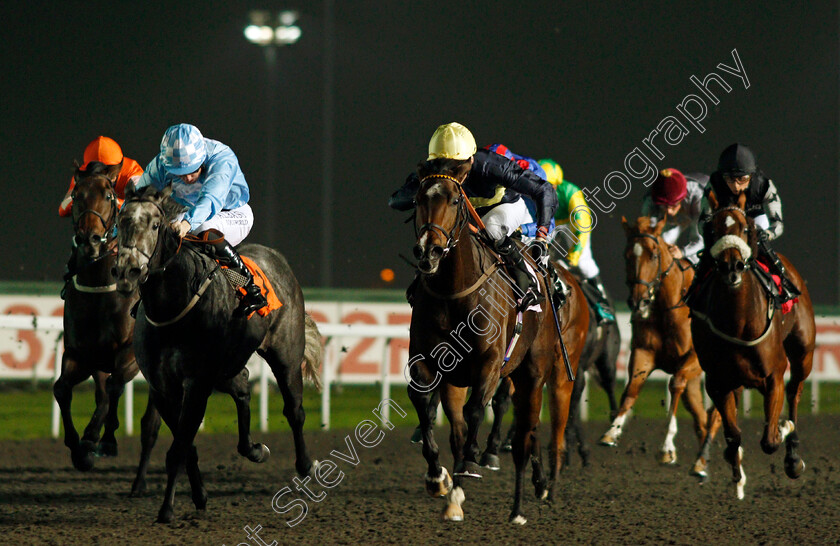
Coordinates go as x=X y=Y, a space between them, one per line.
x=313 y=352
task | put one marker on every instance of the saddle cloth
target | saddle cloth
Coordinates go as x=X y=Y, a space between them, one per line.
x=265 y=287
x=786 y=306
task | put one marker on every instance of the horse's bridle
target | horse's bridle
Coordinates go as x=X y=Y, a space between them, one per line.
x=747 y=262
x=653 y=285
x=110 y=225
x=461 y=219
x=157 y=239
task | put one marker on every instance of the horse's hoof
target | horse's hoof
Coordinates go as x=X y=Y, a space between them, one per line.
x=699 y=469
x=453 y=512
x=668 y=457
x=518 y=519
x=138 y=489
x=106 y=449
x=165 y=515
x=440 y=486
x=82 y=459
x=506 y=446
x=312 y=468
x=467 y=469
x=200 y=501
x=417 y=437
x=259 y=453
x=794 y=467
x=490 y=461
x=608 y=440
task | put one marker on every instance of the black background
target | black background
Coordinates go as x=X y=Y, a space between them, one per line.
x=579 y=82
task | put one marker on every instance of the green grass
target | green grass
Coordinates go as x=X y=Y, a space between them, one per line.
x=25 y=411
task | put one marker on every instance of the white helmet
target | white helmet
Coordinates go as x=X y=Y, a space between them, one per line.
x=182 y=149
x=452 y=141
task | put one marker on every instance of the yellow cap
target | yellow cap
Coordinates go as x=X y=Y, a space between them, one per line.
x=553 y=172
x=452 y=141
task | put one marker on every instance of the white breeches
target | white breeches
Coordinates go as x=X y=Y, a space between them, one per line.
x=234 y=224
x=504 y=219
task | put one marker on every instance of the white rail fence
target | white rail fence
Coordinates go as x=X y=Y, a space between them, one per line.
x=387 y=344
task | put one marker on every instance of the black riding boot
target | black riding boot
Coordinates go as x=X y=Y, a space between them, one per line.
x=519 y=271
x=409 y=292
x=69 y=271
x=604 y=309
x=789 y=290
x=239 y=276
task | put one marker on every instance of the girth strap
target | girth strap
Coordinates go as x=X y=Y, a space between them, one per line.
x=466 y=291
x=189 y=306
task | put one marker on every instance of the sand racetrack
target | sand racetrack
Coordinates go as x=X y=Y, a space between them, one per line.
x=623 y=497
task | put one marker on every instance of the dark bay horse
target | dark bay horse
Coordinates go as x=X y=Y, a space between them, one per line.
x=661 y=333
x=463 y=320
x=601 y=348
x=187 y=340
x=98 y=329
x=743 y=341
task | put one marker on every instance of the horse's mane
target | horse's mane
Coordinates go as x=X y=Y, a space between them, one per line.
x=171 y=208
x=95 y=168
x=449 y=167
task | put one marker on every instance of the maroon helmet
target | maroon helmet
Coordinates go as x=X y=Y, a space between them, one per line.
x=669 y=188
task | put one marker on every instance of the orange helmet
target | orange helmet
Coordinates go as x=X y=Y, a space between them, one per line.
x=103 y=149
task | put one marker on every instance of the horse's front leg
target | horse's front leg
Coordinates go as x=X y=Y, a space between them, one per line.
x=801 y=360
x=774 y=396
x=452 y=399
x=125 y=369
x=726 y=403
x=182 y=451
x=239 y=389
x=71 y=375
x=688 y=370
x=501 y=403
x=641 y=364
x=149 y=428
x=90 y=437
x=438 y=481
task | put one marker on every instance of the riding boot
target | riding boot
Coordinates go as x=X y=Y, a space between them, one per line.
x=789 y=290
x=702 y=269
x=602 y=305
x=69 y=271
x=409 y=292
x=239 y=276
x=519 y=271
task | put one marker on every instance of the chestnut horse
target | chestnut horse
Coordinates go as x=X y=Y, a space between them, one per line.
x=188 y=342
x=661 y=335
x=744 y=341
x=463 y=320
x=98 y=329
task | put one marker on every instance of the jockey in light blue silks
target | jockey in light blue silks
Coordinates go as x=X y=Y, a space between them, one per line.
x=206 y=178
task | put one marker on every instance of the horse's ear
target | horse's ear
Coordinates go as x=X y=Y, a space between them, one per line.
x=626 y=225
x=130 y=190
x=742 y=200
x=713 y=200
x=113 y=171
x=660 y=226
x=166 y=192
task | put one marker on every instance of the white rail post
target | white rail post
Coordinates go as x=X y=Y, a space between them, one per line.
x=326 y=384
x=263 y=395
x=815 y=394
x=746 y=402
x=584 y=399
x=56 y=411
x=129 y=408
x=386 y=380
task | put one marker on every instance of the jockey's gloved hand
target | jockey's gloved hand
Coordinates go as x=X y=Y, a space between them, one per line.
x=763 y=236
x=539 y=251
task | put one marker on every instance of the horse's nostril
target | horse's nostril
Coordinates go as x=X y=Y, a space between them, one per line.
x=95 y=239
x=436 y=251
x=418 y=252
x=133 y=274
x=79 y=240
x=114 y=271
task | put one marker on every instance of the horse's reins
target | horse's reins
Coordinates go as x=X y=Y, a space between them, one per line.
x=204 y=286
x=771 y=309
x=465 y=212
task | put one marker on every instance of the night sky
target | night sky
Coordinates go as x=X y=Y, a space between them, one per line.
x=581 y=82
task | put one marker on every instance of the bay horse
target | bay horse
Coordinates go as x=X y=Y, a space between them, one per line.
x=661 y=332
x=601 y=349
x=463 y=318
x=187 y=340
x=98 y=329
x=744 y=341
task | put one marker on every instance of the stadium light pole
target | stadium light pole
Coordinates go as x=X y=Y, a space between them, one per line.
x=272 y=30
x=327 y=146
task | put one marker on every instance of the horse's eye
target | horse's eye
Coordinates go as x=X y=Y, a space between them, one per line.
x=155 y=225
x=457 y=200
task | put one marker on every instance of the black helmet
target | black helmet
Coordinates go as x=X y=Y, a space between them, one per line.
x=737 y=160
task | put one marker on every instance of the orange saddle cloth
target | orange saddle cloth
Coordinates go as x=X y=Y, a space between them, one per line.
x=265 y=287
